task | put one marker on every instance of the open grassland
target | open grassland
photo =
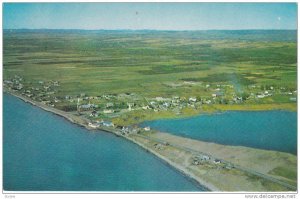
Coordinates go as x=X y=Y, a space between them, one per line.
x=159 y=63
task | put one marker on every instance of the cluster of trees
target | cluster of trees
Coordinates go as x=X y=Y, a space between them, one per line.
x=67 y=107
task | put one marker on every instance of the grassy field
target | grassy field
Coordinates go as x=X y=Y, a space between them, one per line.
x=157 y=63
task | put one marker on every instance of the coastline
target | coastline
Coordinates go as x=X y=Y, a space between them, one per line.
x=213 y=109
x=146 y=143
x=74 y=119
x=78 y=121
x=182 y=170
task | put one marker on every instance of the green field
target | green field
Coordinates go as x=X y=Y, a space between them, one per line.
x=157 y=64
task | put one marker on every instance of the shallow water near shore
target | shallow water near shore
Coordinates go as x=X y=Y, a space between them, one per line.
x=44 y=152
x=271 y=130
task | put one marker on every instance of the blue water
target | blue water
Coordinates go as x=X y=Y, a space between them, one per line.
x=272 y=130
x=44 y=152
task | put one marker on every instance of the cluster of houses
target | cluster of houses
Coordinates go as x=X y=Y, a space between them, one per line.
x=122 y=130
x=272 y=91
x=108 y=104
x=102 y=123
x=15 y=83
x=261 y=95
x=126 y=130
x=204 y=159
x=158 y=146
x=42 y=92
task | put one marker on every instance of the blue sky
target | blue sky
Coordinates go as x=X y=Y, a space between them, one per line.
x=161 y=16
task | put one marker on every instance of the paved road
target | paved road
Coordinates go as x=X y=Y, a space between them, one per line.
x=250 y=171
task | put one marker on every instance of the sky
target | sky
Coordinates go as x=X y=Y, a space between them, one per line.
x=157 y=16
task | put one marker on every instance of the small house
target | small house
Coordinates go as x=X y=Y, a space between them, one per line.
x=108 y=124
x=192 y=99
x=145 y=107
x=109 y=105
x=93 y=125
x=94 y=114
x=205 y=158
x=108 y=111
x=147 y=128
x=217 y=161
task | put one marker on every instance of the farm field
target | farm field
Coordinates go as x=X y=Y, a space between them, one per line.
x=131 y=76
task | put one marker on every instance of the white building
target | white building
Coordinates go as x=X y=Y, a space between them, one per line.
x=108 y=111
x=192 y=99
x=147 y=128
x=93 y=125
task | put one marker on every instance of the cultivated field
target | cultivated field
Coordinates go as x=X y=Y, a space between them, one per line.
x=222 y=70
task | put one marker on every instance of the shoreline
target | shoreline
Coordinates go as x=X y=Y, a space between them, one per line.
x=182 y=170
x=49 y=109
x=201 y=181
x=213 y=109
x=217 y=143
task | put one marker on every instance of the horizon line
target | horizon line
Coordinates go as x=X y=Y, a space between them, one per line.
x=128 y=29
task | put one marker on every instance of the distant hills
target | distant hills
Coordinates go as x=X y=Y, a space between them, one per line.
x=258 y=35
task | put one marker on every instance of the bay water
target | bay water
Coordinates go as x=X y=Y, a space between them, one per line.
x=271 y=130
x=45 y=152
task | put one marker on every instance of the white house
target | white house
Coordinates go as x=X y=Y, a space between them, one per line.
x=261 y=96
x=147 y=128
x=108 y=124
x=108 y=111
x=93 y=125
x=192 y=99
x=145 y=107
